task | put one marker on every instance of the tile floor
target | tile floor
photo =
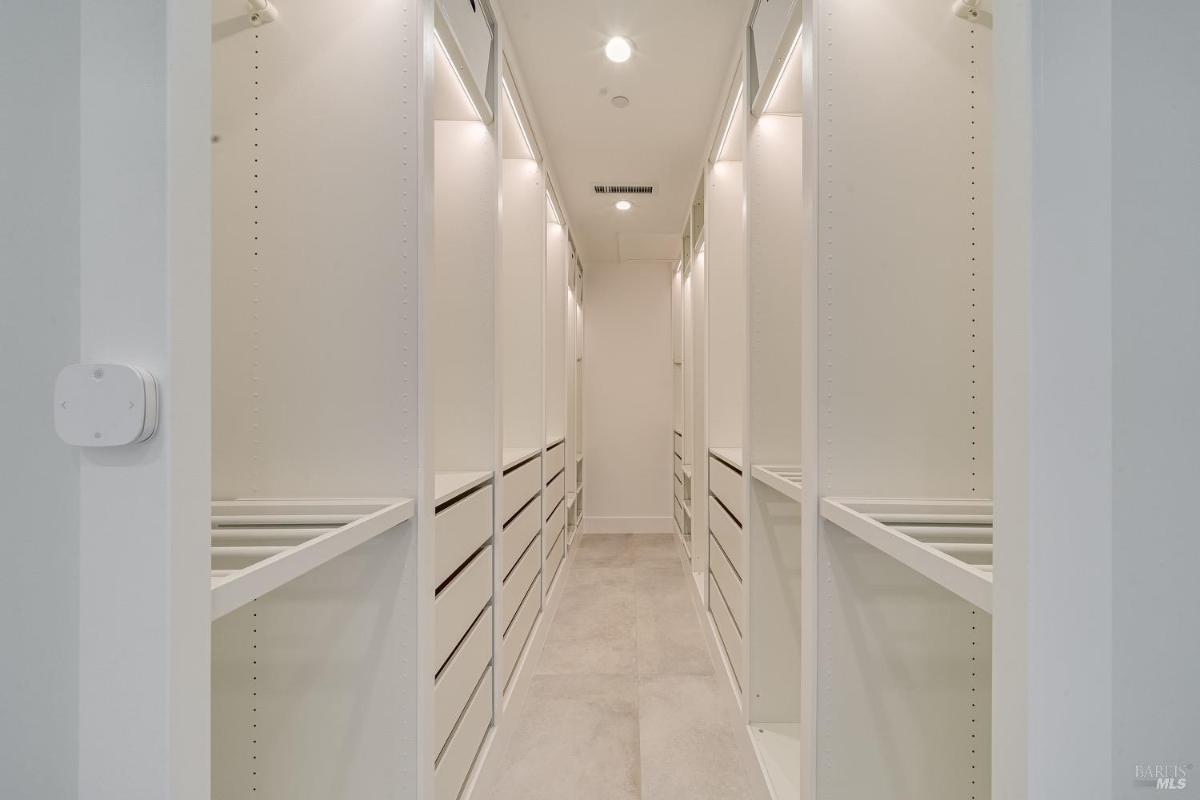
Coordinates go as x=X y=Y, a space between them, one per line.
x=624 y=701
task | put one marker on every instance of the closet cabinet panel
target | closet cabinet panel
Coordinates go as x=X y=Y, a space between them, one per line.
x=727 y=532
x=458 y=679
x=726 y=485
x=731 y=640
x=556 y=491
x=519 y=581
x=520 y=484
x=455 y=763
x=555 y=459
x=459 y=530
x=518 y=534
x=459 y=603
x=518 y=634
x=730 y=583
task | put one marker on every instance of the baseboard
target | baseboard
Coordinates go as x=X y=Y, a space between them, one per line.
x=627 y=524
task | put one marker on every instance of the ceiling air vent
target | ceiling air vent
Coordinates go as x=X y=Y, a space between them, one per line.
x=600 y=188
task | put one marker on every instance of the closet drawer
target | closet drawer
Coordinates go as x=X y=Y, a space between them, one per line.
x=728 y=533
x=517 y=583
x=555 y=491
x=518 y=534
x=455 y=765
x=457 y=606
x=726 y=485
x=679 y=493
x=679 y=469
x=679 y=515
x=554 y=557
x=556 y=458
x=557 y=518
x=518 y=633
x=678 y=443
x=727 y=579
x=520 y=484
x=455 y=685
x=459 y=530
x=731 y=640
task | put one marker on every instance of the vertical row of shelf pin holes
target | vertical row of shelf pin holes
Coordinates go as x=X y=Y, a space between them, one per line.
x=256 y=344
x=973 y=221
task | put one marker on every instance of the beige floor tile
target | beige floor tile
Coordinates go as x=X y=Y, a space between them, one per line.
x=577 y=739
x=595 y=627
x=670 y=641
x=688 y=751
x=656 y=549
x=605 y=550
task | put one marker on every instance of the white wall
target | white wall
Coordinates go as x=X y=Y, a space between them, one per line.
x=627 y=397
x=39 y=333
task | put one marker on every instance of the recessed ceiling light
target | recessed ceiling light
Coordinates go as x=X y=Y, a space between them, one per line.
x=623 y=205
x=620 y=101
x=618 y=49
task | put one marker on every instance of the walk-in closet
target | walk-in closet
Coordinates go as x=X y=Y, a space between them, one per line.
x=873 y=319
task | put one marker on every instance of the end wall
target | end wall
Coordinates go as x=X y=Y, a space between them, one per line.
x=627 y=397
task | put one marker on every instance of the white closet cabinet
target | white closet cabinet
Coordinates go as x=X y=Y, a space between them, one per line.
x=461 y=303
x=905 y=297
x=315 y=597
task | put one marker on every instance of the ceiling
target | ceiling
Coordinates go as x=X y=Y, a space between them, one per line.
x=676 y=83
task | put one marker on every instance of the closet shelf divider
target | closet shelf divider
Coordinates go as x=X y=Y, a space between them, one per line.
x=947 y=541
x=259 y=545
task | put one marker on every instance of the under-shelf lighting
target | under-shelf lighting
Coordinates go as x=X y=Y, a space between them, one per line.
x=462 y=85
x=787 y=60
x=512 y=104
x=619 y=49
x=733 y=115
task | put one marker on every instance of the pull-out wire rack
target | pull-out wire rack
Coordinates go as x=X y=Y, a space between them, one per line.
x=259 y=545
x=947 y=541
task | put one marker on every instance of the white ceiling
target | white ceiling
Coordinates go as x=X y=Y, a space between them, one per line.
x=676 y=82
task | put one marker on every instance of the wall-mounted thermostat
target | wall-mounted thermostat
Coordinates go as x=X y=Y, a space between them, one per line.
x=105 y=405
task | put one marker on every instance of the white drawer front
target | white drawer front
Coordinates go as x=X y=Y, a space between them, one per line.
x=557 y=518
x=557 y=490
x=679 y=469
x=731 y=585
x=520 y=485
x=518 y=582
x=555 y=459
x=458 y=680
x=678 y=515
x=678 y=444
x=554 y=557
x=455 y=765
x=518 y=633
x=730 y=638
x=518 y=534
x=459 y=530
x=457 y=606
x=726 y=484
x=728 y=533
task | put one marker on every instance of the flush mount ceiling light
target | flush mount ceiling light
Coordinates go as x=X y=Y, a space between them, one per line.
x=618 y=49
x=623 y=205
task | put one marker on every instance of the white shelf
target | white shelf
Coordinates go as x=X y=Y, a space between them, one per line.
x=783 y=479
x=555 y=441
x=259 y=545
x=687 y=509
x=687 y=471
x=777 y=745
x=449 y=485
x=515 y=455
x=947 y=541
x=730 y=455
